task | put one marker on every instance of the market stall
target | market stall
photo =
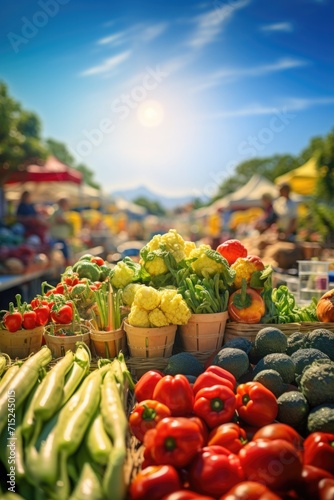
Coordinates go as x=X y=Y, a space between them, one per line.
x=184 y=374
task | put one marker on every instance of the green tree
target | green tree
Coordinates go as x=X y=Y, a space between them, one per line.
x=325 y=163
x=88 y=175
x=60 y=151
x=20 y=135
x=152 y=207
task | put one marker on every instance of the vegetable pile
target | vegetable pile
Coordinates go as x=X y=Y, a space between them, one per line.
x=63 y=428
x=215 y=439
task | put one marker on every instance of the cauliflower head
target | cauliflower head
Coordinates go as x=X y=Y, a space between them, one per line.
x=156 y=266
x=244 y=268
x=207 y=262
x=138 y=317
x=129 y=293
x=174 y=307
x=147 y=297
x=122 y=275
x=157 y=318
x=174 y=243
x=189 y=246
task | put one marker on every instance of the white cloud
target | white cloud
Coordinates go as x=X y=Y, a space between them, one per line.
x=210 y=24
x=291 y=104
x=153 y=31
x=112 y=39
x=231 y=74
x=107 y=65
x=284 y=26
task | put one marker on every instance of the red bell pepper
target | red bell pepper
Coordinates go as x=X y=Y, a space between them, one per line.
x=154 y=482
x=256 y=404
x=145 y=415
x=176 y=393
x=319 y=450
x=145 y=386
x=29 y=319
x=174 y=441
x=214 y=375
x=309 y=483
x=250 y=490
x=214 y=470
x=215 y=405
x=326 y=489
x=203 y=427
x=230 y=435
x=12 y=319
x=231 y=250
x=276 y=464
x=277 y=430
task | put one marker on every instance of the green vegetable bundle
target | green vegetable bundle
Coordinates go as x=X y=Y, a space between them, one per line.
x=70 y=426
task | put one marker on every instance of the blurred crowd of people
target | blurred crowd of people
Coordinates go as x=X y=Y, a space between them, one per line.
x=52 y=228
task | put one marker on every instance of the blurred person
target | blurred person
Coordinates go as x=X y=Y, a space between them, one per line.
x=61 y=228
x=32 y=220
x=286 y=210
x=269 y=216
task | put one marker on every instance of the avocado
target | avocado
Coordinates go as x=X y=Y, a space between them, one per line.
x=305 y=357
x=184 y=363
x=280 y=362
x=321 y=419
x=295 y=341
x=272 y=380
x=269 y=340
x=317 y=383
x=293 y=409
x=239 y=343
x=233 y=360
x=323 y=340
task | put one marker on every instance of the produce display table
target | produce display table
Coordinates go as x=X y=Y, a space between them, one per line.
x=30 y=282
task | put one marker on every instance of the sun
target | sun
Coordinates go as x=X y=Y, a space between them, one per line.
x=150 y=113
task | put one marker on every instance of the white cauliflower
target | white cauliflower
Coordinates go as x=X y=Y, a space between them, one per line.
x=147 y=297
x=157 y=318
x=138 y=317
x=129 y=293
x=174 y=307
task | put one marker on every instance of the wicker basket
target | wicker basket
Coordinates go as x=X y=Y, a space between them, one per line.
x=249 y=331
x=203 y=332
x=139 y=366
x=108 y=344
x=150 y=342
x=60 y=338
x=306 y=326
x=21 y=343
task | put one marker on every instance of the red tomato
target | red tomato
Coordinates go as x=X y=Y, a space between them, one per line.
x=280 y=431
x=232 y=250
x=277 y=463
x=97 y=260
x=186 y=495
x=154 y=482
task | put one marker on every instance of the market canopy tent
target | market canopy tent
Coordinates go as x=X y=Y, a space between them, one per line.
x=248 y=195
x=302 y=179
x=52 y=171
x=50 y=182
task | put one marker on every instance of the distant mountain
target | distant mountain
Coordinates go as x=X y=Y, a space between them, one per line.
x=167 y=202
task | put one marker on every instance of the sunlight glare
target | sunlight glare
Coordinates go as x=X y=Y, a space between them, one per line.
x=150 y=113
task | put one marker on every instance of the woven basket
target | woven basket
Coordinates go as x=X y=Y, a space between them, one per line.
x=150 y=342
x=60 y=338
x=203 y=332
x=249 y=331
x=108 y=344
x=309 y=326
x=21 y=343
x=139 y=366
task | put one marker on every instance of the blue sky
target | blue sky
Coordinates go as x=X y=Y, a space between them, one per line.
x=173 y=94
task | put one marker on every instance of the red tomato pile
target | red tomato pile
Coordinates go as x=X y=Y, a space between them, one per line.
x=216 y=440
